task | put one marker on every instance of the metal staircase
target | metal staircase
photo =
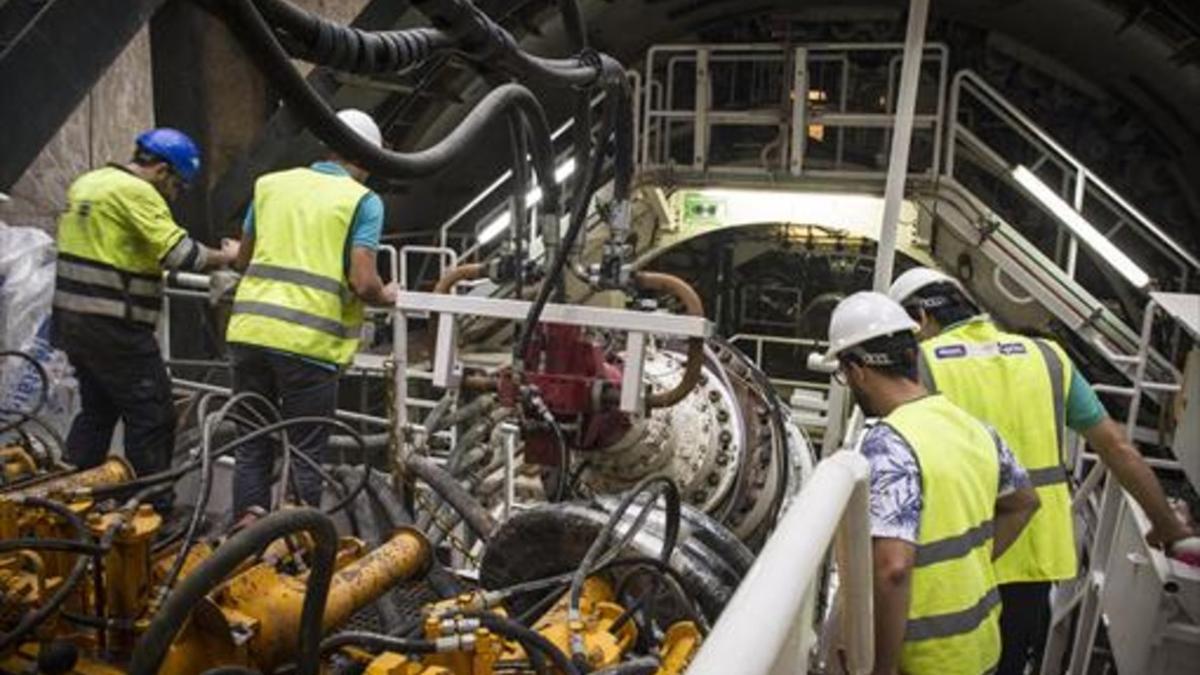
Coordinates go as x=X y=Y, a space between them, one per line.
x=823 y=133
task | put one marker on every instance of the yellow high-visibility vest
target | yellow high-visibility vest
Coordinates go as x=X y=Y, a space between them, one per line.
x=1018 y=385
x=953 y=616
x=111 y=241
x=294 y=296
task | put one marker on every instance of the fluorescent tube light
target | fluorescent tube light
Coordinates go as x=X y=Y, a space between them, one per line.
x=493 y=229
x=1081 y=227
x=501 y=222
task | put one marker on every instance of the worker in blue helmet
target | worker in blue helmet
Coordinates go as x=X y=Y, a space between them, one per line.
x=115 y=239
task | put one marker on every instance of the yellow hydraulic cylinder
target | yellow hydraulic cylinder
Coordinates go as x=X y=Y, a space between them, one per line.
x=265 y=605
x=127 y=570
x=114 y=470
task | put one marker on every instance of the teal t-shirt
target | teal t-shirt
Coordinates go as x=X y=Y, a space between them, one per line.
x=365 y=231
x=367 y=227
x=1084 y=409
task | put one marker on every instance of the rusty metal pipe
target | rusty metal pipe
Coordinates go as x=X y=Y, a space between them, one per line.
x=693 y=367
x=445 y=284
x=456 y=274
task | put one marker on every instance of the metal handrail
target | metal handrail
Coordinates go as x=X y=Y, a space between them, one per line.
x=658 y=113
x=973 y=83
x=763 y=630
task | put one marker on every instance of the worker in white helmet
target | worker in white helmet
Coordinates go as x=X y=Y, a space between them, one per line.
x=308 y=261
x=946 y=497
x=1029 y=390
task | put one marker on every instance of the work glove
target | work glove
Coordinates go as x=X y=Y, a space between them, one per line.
x=221 y=282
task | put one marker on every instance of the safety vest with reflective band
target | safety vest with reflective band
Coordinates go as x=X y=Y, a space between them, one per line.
x=109 y=263
x=1018 y=385
x=953 y=615
x=294 y=296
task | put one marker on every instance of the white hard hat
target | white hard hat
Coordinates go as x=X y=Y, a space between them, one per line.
x=862 y=317
x=917 y=278
x=363 y=125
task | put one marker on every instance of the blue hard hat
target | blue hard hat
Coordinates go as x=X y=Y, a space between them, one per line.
x=175 y=148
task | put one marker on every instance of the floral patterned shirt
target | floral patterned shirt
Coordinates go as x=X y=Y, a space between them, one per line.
x=896 y=482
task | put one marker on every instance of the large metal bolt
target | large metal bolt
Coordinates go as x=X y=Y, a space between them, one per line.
x=722 y=415
x=714 y=395
x=699 y=496
x=713 y=480
x=726 y=438
x=723 y=459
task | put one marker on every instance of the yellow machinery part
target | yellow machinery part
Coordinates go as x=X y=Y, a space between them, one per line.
x=599 y=611
x=127 y=570
x=16 y=464
x=679 y=647
x=114 y=470
x=255 y=617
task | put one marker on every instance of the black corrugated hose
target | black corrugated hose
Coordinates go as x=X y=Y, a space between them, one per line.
x=312 y=38
x=473 y=513
x=317 y=114
x=153 y=645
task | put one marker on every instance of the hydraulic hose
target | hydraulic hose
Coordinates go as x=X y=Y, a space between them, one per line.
x=153 y=646
x=378 y=642
x=573 y=24
x=655 y=485
x=530 y=639
x=316 y=113
x=473 y=513
x=318 y=40
x=434 y=418
x=35 y=618
x=694 y=366
x=646 y=665
x=480 y=406
x=578 y=218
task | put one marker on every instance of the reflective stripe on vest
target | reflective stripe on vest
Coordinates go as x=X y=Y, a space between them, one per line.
x=294 y=296
x=1018 y=385
x=91 y=287
x=953 y=618
x=106 y=265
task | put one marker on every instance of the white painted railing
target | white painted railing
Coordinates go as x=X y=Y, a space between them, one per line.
x=765 y=629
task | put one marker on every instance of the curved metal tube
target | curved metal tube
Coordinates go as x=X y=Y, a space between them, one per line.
x=693 y=367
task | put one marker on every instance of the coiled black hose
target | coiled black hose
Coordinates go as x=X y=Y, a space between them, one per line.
x=315 y=39
x=153 y=646
x=473 y=514
x=316 y=113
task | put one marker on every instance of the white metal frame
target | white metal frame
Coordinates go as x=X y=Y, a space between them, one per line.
x=763 y=631
x=446 y=366
x=1113 y=502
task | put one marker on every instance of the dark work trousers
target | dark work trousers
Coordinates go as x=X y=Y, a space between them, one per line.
x=121 y=376
x=298 y=388
x=1024 y=621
